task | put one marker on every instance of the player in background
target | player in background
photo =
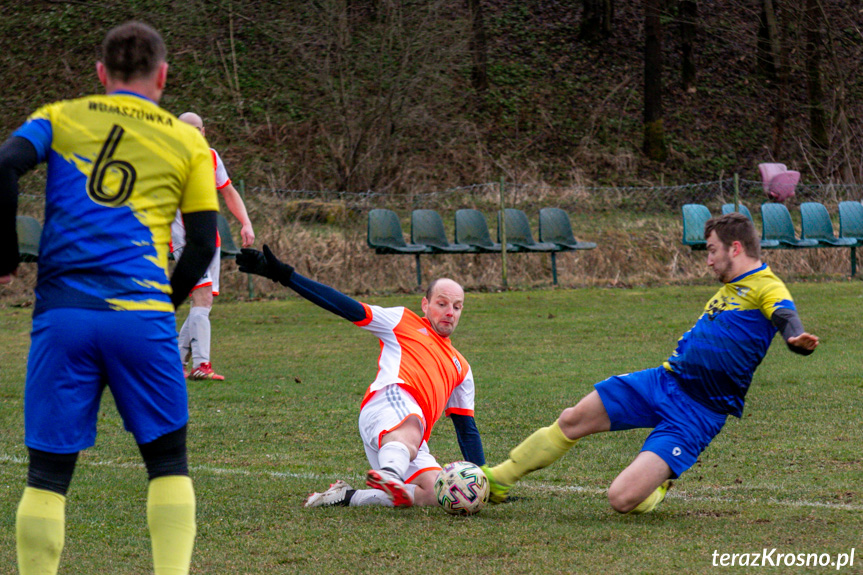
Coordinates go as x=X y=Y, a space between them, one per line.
x=194 y=336
x=104 y=311
x=688 y=398
x=421 y=376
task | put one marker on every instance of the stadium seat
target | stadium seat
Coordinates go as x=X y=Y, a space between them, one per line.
x=729 y=208
x=29 y=233
x=385 y=236
x=518 y=232
x=555 y=227
x=471 y=228
x=229 y=247
x=427 y=229
x=816 y=225
x=694 y=218
x=779 y=182
x=777 y=225
x=851 y=226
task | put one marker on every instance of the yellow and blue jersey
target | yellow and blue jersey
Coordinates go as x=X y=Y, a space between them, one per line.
x=119 y=167
x=715 y=360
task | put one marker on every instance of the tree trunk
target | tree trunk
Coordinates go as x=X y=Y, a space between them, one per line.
x=478 y=47
x=763 y=54
x=596 y=18
x=814 y=88
x=654 y=132
x=776 y=57
x=688 y=16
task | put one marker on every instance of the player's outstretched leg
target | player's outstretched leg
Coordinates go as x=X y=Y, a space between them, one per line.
x=541 y=449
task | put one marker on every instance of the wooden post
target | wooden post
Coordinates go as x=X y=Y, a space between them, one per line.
x=502 y=234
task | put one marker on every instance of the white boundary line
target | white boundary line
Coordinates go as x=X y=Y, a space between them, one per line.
x=528 y=485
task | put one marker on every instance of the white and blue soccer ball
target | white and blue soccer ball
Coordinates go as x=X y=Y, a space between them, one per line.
x=461 y=488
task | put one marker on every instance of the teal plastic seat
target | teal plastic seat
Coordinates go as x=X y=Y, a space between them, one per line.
x=816 y=225
x=694 y=218
x=777 y=225
x=427 y=229
x=555 y=227
x=729 y=208
x=385 y=236
x=518 y=232
x=29 y=234
x=471 y=228
x=229 y=247
x=851 y=226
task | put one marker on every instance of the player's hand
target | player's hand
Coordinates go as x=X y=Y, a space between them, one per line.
x=247 y=235
x=264 y=264
x=805 y=340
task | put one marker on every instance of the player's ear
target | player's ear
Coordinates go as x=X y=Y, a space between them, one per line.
x=102 y=73
x=425 y=305
x=162 y=76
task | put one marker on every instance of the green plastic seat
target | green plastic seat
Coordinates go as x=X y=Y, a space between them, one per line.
x=851 y=221
x=777 y=225
x=229 y=247
x=694 y=218
x=816 y=225
x=427 y=229
x=518 y=232
x=29 y=233
x=385 y=234
x=471 y=228
x=555 y=227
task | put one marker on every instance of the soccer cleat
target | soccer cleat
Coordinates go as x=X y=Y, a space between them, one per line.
x=339 y=494
x=498 y=492
x=391 y=484
x=654 y=499
x=205 y=371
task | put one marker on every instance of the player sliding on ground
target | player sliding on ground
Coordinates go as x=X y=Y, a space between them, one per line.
x=688 y=398
x=421 y=376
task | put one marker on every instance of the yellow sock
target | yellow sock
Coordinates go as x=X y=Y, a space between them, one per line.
x=541 y=449
x=171 y=517
x=652 y=500
x=40 y=527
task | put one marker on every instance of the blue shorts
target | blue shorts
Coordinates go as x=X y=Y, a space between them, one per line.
x=682 y=427
x=75 y=353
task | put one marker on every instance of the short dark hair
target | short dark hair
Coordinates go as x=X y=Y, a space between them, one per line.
x=735 y=227
x=132 y=50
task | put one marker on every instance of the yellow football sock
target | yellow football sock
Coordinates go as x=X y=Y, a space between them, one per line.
x=171 y=517
x=652 y=500
x=541 y=449
x=40 y=528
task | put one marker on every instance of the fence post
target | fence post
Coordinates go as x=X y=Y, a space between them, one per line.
x=251 y=284
x=502 y=228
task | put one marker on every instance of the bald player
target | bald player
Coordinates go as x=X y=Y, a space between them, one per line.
x=194 y=338
x=420 y=377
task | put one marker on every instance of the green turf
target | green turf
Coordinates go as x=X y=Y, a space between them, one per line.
x=787 y=476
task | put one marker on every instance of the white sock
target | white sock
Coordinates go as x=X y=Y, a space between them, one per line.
x=184 y=339
x=395 y=455
x=370 y=497
x=199 y=332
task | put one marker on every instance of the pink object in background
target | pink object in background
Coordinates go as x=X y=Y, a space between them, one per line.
x=779 y=182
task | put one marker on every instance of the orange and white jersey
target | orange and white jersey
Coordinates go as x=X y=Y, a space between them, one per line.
x=420 y=361
x=178 y=228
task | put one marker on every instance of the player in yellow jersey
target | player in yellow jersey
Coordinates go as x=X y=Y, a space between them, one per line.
x=119 y=167
x=687 y=399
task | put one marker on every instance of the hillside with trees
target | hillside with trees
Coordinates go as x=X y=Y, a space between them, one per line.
x=400 y=96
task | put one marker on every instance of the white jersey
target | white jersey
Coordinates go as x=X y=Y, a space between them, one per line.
x=178 y=229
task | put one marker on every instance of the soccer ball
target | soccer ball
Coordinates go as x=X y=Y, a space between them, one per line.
x=461 y=488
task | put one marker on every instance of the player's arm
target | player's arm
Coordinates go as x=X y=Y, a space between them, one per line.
x=468 y=437
x=17 y=156
x=787 y=321
x=237 y=207
x=197 y=254
x=268 y=265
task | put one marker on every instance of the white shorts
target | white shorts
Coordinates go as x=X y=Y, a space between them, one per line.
x=385 y=411
x=211 y=276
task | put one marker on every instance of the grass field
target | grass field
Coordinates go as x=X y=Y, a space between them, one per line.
x=788 y=475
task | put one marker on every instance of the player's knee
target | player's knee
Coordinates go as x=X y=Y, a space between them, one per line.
x=166 y=455
x=51 y=471
x=621 y=500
